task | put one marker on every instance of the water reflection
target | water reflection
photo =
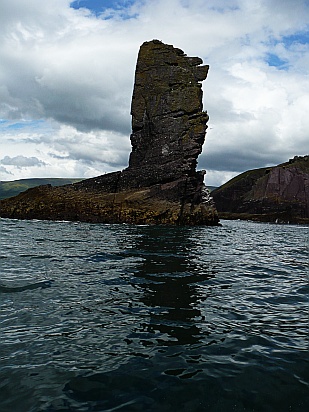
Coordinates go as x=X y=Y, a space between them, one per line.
x=154 y=319
x=172 y=358
x=171 y=271
x=169 y=274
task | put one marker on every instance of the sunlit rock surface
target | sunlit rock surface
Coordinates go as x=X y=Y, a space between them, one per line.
x=161 y=184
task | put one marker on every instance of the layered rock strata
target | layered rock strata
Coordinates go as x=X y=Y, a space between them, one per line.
x=274 y=194
x=161 y=184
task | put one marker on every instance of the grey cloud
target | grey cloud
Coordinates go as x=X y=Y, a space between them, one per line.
x=76 y=105
x=121 y=160
x=55 y=76
x=90 y=117
x=21 y=161
x=5 y=171
x=71 y=69
x=237 y=161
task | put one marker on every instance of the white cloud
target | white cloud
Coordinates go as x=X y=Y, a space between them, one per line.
x=21 y=161
x=64 y=150
x=73 y=73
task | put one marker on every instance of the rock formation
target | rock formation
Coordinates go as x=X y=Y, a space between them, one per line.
x=161 y=184
x=275 y=194
x=14 y=187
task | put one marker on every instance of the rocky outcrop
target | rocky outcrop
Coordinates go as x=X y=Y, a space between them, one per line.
x=276 y=194
x=161 y=184
x=14 y=187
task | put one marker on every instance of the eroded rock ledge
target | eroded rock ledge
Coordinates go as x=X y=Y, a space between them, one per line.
x=161 y=184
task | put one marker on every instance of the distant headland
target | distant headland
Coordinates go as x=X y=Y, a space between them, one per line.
x=273 y=194
x=160 y=184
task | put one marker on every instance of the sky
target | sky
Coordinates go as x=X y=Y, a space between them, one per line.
x=67 y=73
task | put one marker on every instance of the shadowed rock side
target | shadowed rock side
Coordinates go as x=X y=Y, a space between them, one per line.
x=161 y=184
x=275 y=194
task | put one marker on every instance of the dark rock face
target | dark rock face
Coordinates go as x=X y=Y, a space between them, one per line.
x=161 y=184
x=167 y=119
x=280 y=193
x=168 y=124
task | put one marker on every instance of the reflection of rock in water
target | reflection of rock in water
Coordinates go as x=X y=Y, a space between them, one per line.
x=170 y=275
x=175 y=316
x=164 y=359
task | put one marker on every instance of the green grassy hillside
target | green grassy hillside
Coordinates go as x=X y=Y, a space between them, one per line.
x=13 y=188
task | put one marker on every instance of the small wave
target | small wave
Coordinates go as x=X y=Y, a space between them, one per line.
x=12 y=289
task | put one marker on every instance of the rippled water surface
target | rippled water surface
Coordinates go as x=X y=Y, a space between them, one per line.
x=144 y=318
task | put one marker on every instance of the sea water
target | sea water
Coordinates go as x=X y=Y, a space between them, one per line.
x=149 y=318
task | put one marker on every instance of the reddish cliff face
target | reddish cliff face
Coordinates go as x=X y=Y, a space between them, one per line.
x=286 y=184
x=279 y=193
x=161 y=184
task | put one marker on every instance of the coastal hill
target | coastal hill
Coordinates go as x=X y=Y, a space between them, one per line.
x=161 y=184
x=273 y=194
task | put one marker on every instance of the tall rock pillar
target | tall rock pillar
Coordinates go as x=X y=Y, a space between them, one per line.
x=168 y=122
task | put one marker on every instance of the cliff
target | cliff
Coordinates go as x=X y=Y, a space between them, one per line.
x=161 y=184
x=274 y=194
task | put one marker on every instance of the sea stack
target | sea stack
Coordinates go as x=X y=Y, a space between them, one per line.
x=161 y=184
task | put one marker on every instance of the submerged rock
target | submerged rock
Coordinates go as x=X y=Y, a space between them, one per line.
x=161 y=184
x=275 y=194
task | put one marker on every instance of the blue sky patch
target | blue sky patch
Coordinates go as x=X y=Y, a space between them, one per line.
x=275 y=61
x=298 y=38
x=99 y=6
x=23 y=125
